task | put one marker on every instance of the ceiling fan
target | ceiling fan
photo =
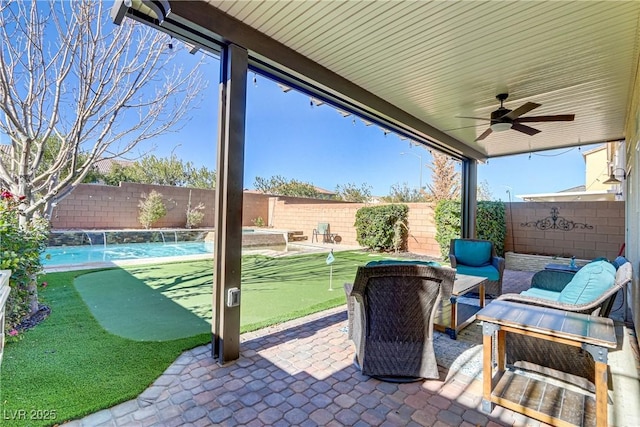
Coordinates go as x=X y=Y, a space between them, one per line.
x=504 y=119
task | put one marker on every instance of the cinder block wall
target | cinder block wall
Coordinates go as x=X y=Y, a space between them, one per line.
x=298 y=214
x=605 y=238
x=95 y=206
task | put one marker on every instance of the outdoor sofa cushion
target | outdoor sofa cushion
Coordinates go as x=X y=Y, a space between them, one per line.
x=589 y=283
x=488 y=271
x=541 y=293
x=473 y=253
x=585 y=286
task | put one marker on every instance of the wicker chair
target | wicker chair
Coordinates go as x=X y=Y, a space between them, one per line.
x=391 y=311
x=493 y=264
x=556 y=359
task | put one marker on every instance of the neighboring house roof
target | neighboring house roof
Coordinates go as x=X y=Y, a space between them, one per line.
x=323 y=191
x=570 y=196
x=574 y=189
x=318 y=189
x=104 y=166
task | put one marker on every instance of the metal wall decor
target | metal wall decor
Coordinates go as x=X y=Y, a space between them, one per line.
x=556 y=222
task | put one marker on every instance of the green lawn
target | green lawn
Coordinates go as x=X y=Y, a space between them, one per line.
x=72 y=365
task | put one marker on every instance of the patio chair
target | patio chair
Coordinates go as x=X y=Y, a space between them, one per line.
x=323 y=230
x=595 y=287
x=591 y=290
x=391 y=310
x=475 y=257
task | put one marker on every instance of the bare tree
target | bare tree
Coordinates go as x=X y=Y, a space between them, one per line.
x=67 y=74
x=445 y=179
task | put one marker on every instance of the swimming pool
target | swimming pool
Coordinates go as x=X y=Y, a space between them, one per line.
x=66 y=255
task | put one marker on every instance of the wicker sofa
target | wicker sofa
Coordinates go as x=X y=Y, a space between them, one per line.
x=391 y=311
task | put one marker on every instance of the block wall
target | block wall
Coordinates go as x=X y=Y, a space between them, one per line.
x=298 y=214
x=95 y=206
x=603 y=233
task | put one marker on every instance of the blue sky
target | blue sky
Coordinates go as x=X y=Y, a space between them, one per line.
x=286 y=136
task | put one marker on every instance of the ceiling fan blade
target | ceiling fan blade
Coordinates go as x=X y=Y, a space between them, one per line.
x=523 y=109
x=558 y=118
x=525 y=129
x=484 y=134
x=464 y=127
x=477 y=118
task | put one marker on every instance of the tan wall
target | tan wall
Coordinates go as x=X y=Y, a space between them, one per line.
x=94 y=206
x=605 y=239
x=596 y=169
x=632 y=133
x=299 y=214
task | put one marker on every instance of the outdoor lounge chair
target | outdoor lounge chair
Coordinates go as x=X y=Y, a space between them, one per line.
x=595 y=287
x=391 y=311
x=475 y=257
x=323 y=230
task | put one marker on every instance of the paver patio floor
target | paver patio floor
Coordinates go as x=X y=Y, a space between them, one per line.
x=302 y=373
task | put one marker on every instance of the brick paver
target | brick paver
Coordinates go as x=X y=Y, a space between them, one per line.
x=299 y=373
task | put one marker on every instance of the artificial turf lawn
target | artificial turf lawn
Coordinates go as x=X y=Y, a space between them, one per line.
x=70 y=365
x=169 y=301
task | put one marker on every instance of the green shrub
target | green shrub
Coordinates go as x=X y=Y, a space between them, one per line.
x=382 y=228
x=20 y=250
x=447 y=217
x=194 y=215
x=490 y=224
x=152 y=208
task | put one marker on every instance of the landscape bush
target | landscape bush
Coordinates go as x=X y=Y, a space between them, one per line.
x=152 y=209
x=490 y=224
x=20 y=251
x=382 y=228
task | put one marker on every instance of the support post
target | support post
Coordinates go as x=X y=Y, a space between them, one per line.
x=469 y=199
x=225 y=324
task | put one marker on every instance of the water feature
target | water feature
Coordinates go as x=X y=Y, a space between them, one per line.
x=82 y=247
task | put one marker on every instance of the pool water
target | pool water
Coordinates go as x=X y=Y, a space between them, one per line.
x=65 y=255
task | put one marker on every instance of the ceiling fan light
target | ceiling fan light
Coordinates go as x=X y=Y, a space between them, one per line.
x=500 y=127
